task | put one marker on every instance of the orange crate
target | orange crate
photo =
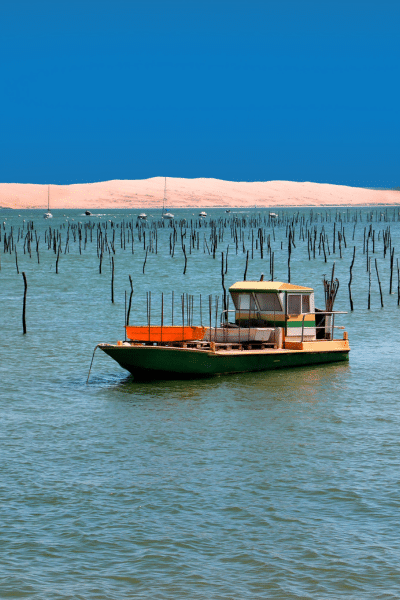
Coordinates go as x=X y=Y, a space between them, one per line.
x=156 y=333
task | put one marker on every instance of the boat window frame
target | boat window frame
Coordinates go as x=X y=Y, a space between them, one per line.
x=236 y=299
x=308 y=296
x=274 y=293
x=302 y=295
x=290 y=296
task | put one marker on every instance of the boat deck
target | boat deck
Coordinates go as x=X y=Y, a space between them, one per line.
x=245 y=348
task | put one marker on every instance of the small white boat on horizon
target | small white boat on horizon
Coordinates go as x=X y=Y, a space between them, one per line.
x=165 y=212
x=48 y=214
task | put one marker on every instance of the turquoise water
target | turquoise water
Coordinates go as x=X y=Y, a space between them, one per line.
x=271 y=485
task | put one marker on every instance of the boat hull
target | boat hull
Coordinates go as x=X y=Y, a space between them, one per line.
x=160 y=362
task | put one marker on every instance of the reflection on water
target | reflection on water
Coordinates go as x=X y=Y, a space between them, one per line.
x=301 y=384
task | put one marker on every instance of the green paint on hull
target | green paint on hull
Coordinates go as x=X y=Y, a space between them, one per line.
x=151 y=362
x=277 y=322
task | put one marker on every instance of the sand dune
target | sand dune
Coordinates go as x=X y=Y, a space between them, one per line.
x=196 y=193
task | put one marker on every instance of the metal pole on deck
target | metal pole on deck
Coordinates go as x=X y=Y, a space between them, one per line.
x=162 y=314
x=183 y=315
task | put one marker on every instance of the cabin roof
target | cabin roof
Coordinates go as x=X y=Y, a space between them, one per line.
x=267 y=286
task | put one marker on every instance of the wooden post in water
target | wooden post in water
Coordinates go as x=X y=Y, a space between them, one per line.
x=272 y=266
x=247 y=264
x=58 y=257
x=184 y=252
x=112 y=279
x=379 y=281
x=334 y=238
x=37 y=247
x=351 y=277
x=223 y=284
x=398 y=283
x=369 y=284
x=391 y=270
x=24 y=304
x=130 y=301
x=145 y=259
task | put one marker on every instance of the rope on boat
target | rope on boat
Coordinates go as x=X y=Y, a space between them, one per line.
x=87 y=380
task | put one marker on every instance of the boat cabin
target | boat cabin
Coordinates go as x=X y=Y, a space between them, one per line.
x=267 y=304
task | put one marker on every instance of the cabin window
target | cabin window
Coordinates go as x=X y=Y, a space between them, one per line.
x=246 y=302
x=235 y=298
x=298 y=304
x=268 y=302
x=294 y=304
x=306 y=303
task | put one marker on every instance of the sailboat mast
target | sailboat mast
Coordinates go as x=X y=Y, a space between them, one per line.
x=48 y=198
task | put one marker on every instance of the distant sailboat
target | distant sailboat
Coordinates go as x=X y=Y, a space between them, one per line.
x=165 y=213
x=48 y=214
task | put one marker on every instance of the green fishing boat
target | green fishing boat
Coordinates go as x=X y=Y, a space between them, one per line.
x=275 y=325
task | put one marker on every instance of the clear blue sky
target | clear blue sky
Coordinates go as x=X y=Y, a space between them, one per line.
x=239 y=90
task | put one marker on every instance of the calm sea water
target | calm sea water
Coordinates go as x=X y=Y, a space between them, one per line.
x=271 y=485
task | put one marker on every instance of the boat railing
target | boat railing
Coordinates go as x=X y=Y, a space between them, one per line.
x=328 y=328
x=328 y=325
x=223 y=319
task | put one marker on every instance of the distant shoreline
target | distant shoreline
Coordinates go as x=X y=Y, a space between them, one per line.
x=148 y=194
x=231 y=208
